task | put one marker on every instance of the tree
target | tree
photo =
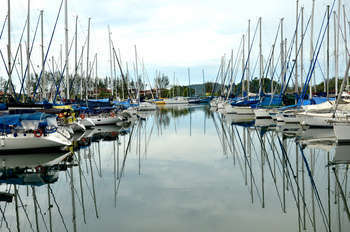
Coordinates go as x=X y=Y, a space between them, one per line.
x=162 y=82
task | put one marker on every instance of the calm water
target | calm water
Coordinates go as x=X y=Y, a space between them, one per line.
x=184 y=169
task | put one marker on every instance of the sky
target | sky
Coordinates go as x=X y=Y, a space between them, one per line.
x=170 y=36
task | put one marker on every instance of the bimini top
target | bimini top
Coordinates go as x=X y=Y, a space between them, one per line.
x=15 y=120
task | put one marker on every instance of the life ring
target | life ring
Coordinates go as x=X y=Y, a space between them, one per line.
x=112 y=114
x=82 y=116
x=38 y=133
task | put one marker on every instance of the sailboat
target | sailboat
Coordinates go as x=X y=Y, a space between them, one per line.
x=30 y=131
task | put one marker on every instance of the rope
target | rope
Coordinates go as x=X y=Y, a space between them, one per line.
x=48 y=48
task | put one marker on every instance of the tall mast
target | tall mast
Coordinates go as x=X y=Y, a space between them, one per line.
x=328 y=19
x=296 y=51
x=260 y=58
x=87 y=62
x=204 y=90
x=302 y=50
x=96 y=77
x=28 y=48
x=66 y=48
x=312 y=45
x=44 y=93
x=137 y=75
x=243 y=65
x=282 y=55
x=76 y=48
x=189 y=82
x=110 y=56
x=337 y=49
x=9 y=43
x=335 y=52
x=248 y=67
x=345 y=43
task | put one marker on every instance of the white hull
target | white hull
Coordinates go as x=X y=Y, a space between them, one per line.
x=175 y=101
x=146 y=106
x=87 y=122
x=21 y=142
x=109 y=120
x=241 y=110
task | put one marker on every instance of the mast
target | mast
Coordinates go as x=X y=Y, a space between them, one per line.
x=137 y=76
x=260 y=58
x=87 y=62
x=204 y=90
x=296 y=51
x=76 y=48
x=282 y=55
x=28 y=48
x=243 y=59
x=337 y=49
x=312 y=45
x=302 y=50
x=328 y=18
x=248 y=66
x=21 y=59
x=335 y=52
x=189 y=82
x=110 y=56
x=81 y=74
x=345 y=44
x=66 y=48
x=96 y=77
x=43 y=79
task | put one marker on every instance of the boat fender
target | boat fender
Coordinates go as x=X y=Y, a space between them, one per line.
x=15 y=134
x=82 y=116
x=38 y=133
x=112 y=114
x=61 y=115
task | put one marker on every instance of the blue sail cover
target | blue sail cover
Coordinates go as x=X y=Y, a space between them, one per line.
x=14 y=120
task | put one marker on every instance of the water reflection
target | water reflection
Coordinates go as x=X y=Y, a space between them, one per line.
x=182 y=168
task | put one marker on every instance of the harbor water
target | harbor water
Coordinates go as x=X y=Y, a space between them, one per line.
x=182 y=168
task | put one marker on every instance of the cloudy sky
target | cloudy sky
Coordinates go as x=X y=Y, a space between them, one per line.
x=170 y=36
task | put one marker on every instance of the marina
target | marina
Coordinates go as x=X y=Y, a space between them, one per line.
x=150 y=122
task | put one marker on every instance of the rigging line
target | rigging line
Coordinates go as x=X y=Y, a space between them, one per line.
x=289 y=52
x=235 y=67
x=324 y=217
x=30 y=53
x=249 y=52
x=49 y=46
x=25 y=211
x=15 y=58
x=273 y=49
x=316 y=52
x=62 y=74
x=4 y=217
x=249 y=165
x=270 y=168
x=343 y=36
x=78 y=66
x=58 y=207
